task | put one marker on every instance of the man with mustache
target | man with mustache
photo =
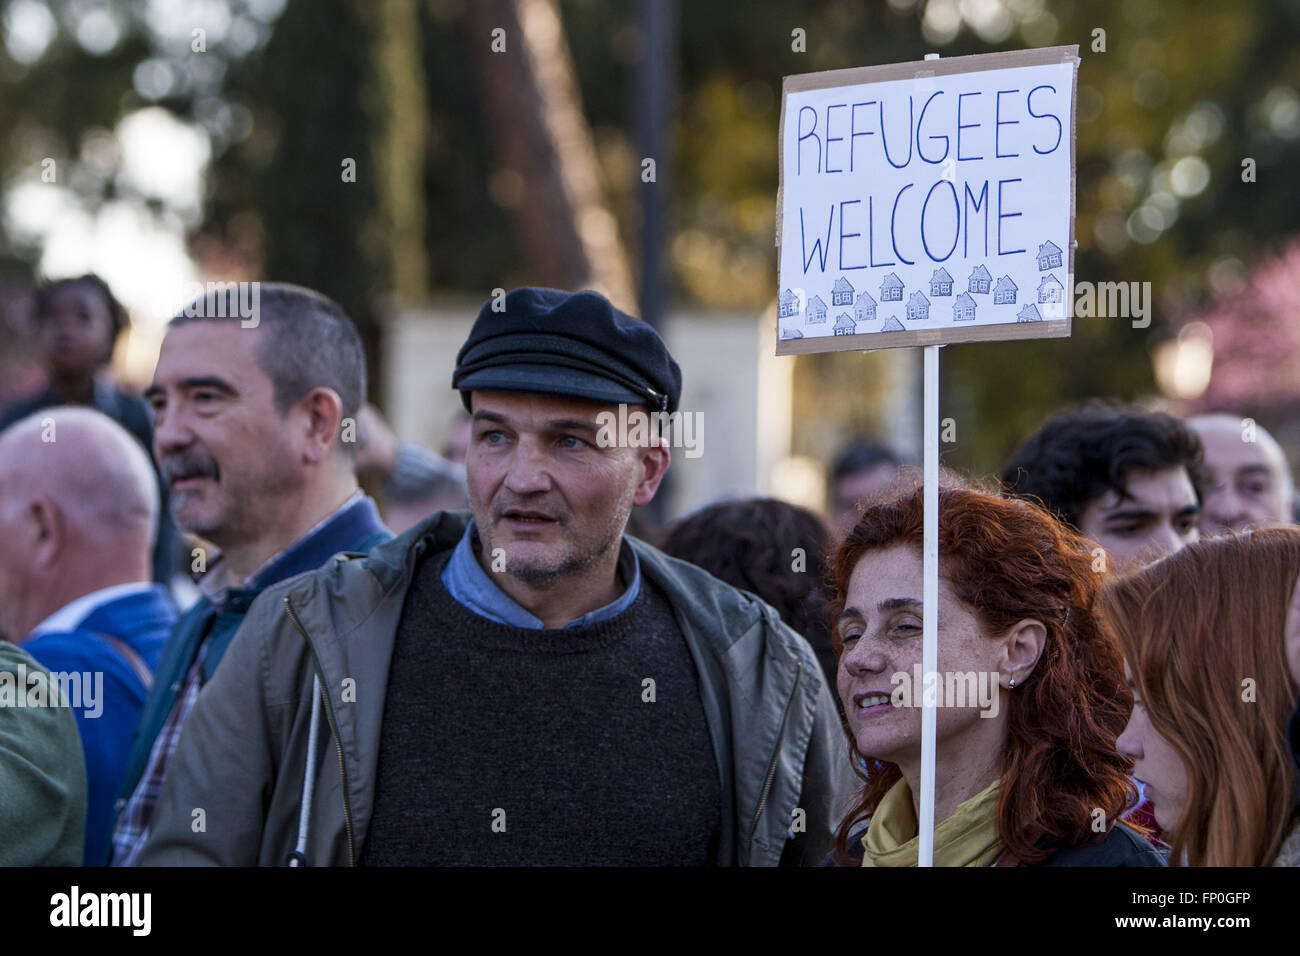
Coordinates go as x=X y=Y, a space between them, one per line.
x=521 y=684
x=251 y=436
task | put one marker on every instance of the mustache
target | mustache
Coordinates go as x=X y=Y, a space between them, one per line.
x=190 y=464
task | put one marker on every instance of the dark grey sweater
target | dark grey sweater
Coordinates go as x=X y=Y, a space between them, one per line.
x=508 y=746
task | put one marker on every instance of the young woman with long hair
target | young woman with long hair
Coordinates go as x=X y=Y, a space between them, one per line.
x=1202 y=633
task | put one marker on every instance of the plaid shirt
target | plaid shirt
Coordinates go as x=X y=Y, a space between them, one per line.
x=355 y=518
x=132 y=828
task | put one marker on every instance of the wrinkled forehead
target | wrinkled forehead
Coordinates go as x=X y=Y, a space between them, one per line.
x=209 y=349
x=534 y=409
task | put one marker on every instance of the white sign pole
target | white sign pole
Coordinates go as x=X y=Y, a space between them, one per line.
x=930 y=602
x=930 y=609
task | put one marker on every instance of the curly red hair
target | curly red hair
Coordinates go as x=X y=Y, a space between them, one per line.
x=1009 y=560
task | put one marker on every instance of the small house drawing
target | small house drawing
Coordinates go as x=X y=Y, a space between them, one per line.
x=842 y=292
x=893 y=325
x=891 y=290
x=963 y=308
x=1004 y=293
x=940 y=282
x=844 y=324
x=788 y=306
x=816 y=311
x=1050 y=289
x=1049 y=256
x=791 y=334
x=1029 y=313
x=980 y=278
x=918 y=306
x=865 y=308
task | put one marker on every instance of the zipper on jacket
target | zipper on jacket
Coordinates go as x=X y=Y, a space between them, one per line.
x=771 y=767
x=334 y=731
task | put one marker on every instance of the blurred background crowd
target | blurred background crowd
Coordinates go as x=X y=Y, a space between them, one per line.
x=379 y=154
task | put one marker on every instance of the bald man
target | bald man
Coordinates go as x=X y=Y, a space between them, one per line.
x=1250 y=479
x=78 y=509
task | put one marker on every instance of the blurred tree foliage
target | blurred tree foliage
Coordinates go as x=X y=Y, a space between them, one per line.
x=1183 y=92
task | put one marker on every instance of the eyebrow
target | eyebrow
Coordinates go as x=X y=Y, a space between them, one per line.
x=198 y=381
x=555 y=424
x=1133 y=514
x=894 y=604
x=1245 y=470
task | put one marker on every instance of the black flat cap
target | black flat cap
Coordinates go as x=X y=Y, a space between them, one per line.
x=567 y=343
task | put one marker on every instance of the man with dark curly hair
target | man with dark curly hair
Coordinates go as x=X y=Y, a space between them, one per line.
x=1129 y=479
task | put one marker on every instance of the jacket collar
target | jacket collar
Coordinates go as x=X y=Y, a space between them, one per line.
x=705 y=603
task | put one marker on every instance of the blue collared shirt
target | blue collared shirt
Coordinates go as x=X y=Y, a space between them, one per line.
x=467 y=582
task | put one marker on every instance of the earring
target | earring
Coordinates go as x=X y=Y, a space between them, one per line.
x=1013 y=682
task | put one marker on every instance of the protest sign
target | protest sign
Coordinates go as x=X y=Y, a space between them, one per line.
x=928 y=202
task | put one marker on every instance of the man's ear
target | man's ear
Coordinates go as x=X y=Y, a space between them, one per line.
x=45 y=532
x=654 y=462
x=1021 y=648
x=322 y=423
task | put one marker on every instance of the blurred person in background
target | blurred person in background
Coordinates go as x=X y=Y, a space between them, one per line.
x=772 y=549
x=1024 y=773
x=456 y=447
x=416 y=482
x=1249 y=479
x=78 y=512
x=21 y=377
x=1204 y=635
x=1128 y=479
x=78 y=322
x=861 y=469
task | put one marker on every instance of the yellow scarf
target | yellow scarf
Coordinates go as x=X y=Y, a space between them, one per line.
x=967 y=838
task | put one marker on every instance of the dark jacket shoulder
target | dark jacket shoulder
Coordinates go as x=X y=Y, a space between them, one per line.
x=1123 y=846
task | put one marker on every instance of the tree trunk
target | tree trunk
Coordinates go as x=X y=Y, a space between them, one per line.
x=547 y=172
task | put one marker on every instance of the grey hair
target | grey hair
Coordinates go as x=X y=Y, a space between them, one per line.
x=308 y=341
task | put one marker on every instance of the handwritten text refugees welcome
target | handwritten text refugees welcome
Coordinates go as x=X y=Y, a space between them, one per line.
x=927 y=203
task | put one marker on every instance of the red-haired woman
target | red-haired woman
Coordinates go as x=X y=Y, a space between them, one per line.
x=1027 y=772
x=1202 y=637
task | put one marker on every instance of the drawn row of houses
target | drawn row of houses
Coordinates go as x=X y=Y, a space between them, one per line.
x=963 y=310
x=918 y=305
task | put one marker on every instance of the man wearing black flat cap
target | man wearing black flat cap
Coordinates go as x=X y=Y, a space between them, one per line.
x=520 y=684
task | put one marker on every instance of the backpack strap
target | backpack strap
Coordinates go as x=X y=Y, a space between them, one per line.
x=133 y=660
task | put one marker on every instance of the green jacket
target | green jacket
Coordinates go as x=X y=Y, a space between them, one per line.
x=42 y=770
x=235 y=788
